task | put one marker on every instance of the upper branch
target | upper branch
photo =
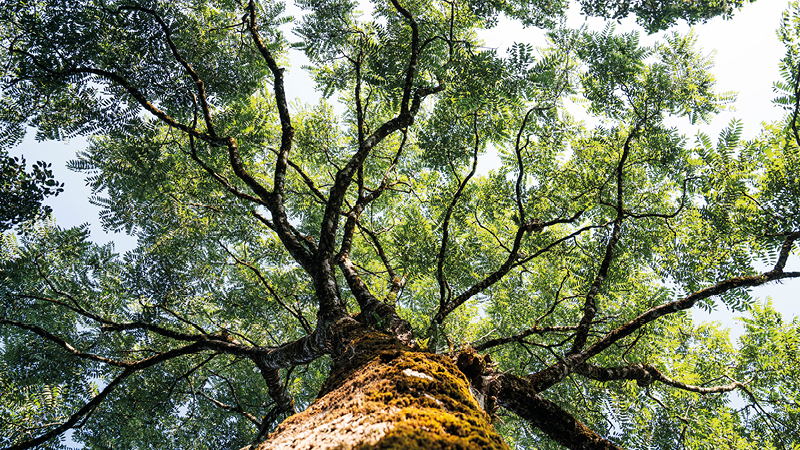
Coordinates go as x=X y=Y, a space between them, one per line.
x=113 y=77
x=410 y=104
x=199 y=84
x=511 y=262
x=65 y=345
x=275 y=199
x=139 y=97
x=443 y=299
x=287 y=131
x=345 y=175
x=364 y=200
x=220 y=178
x=796 y=111
x=690 y=300
x=521 y=165
x=644 y=374
x=413 y=58
x=209 y=341
x=237 y=409
x=522 y=335
x=590 y=307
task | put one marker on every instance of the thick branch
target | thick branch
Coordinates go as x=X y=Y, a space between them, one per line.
x=520 y=397
x=413 y=57
x=287 y=131
x=295 y=353
x=277 y=391
x=374 y=312
x=331 y=304
x=275 y=201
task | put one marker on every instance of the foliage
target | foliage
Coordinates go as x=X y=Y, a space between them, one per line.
x=262 y=224
x=22 y=192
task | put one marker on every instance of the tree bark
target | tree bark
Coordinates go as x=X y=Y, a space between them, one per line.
x=381 y=394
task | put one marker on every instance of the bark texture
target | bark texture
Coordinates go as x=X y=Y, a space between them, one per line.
x=383 y=395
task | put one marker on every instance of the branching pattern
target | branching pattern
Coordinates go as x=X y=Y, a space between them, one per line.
x=317 y=246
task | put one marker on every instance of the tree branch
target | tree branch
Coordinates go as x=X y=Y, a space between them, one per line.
x=297 y=314
x=443 y=299
x=413 y=57
x=519 y=396
x=238 y=408
x=522 y=335
x=199 y=85
x=546 y=378
x=220 y=178
x=590 y=307
x=65 y=345
x=644 y=375
x=512 y=261
x=287 y=131
x=521 y=165
x=95 y=402
x=130 y=89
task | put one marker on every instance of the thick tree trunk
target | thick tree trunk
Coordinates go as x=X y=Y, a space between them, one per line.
x=382 y=395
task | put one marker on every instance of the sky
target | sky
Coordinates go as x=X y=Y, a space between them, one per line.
x=745 y=50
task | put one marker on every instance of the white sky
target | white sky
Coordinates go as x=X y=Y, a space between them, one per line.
x=746 y=53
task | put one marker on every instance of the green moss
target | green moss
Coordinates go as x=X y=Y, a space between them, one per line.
x=419 y=400
x=431 y=428
x=436 y=409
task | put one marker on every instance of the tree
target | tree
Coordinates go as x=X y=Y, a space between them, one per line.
x=339 y=275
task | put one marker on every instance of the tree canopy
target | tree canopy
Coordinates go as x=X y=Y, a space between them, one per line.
x=561 y=282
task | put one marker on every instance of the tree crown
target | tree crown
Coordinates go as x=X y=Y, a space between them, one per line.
x=264 y=225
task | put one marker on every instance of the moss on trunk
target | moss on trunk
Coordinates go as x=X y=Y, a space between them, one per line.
x=384 y=395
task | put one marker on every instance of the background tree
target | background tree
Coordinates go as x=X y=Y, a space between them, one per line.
x=344 y=259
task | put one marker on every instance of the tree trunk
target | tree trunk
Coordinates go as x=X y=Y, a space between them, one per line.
x=382 y=395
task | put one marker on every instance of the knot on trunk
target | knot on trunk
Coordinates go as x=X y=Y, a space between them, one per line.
x=479 y=370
